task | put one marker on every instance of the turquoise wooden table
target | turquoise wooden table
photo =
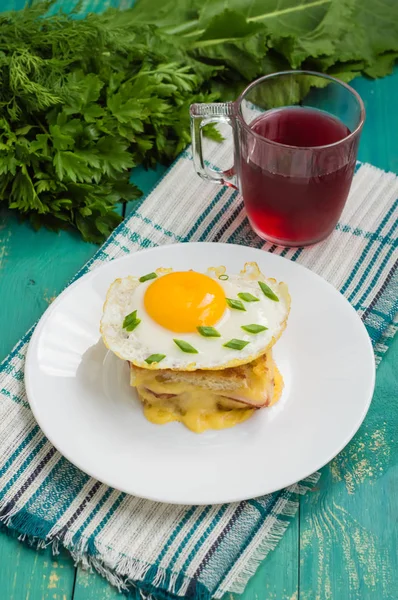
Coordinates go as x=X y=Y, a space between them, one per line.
x=343 y=544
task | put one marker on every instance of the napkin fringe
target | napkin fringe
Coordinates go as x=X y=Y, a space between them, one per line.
x=274 y=527
x=142 y=579
x=267 y=544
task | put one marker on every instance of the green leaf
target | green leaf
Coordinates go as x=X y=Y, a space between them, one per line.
x=211 y=132
x=185 y=347
x=114 y=156
x=253 y=328
x=155 y=358
x=23 y=130
x=235 y=304
x=127 y=191
x=228 y=37
x=60 y=140
x=235 y=344
x=267 y=291
x=147 y=277
x=69 y=165
x=246 y=297
x=125 y=109
x=8 y=164
x=23 y=195
x=208 y=331
x=382 y=65
x=92 y=112
x=374 y=31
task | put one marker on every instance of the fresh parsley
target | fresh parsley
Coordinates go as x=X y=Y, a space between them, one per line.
x=82 y=102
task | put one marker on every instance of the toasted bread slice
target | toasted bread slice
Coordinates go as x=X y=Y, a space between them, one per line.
x=249 y=385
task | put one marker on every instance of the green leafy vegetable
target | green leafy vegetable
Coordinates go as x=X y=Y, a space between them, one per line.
x=185 y=347
x=246 y=297
x=147 y=277
x=249 y=39
x=254 y=328
x=83 y=100
x=236 y=304
x=267 y=291
x=155 y=358
x=208 y=332
x=236 y=344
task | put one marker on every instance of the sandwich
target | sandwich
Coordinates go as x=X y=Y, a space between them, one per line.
x=199 y=345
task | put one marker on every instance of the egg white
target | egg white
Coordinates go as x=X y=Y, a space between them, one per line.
x=127 y=294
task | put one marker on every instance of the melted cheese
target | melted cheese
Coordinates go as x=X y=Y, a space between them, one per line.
x=199 y=408
x=201 y=415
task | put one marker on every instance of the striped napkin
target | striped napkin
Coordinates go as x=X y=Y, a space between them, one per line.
x=196 y=552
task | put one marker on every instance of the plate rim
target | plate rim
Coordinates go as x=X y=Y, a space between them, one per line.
x=86 y=276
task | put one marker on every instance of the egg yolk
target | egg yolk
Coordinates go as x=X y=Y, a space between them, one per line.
x=182 y=301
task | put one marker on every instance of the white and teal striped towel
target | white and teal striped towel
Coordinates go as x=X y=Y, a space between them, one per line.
x=196 y=552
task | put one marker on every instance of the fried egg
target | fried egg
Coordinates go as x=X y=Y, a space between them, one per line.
x=186 y=320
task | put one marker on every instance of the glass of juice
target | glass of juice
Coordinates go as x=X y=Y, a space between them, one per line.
x=296 y=136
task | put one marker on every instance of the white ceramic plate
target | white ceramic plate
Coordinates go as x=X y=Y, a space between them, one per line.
x=80 y=394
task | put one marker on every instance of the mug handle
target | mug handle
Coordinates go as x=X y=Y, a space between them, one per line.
x=206 y=114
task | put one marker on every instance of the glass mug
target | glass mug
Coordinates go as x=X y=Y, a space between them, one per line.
x=296 y=136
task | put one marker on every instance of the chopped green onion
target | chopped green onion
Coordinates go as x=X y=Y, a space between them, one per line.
x=133 y=325
x=185 y=347
x=267 y=291
x=147 y=277
x=236 y=344
x=208 y=332
x=155 y=358
x=129 y=319
x=248 y=297
x=237 y=304
x=224 y=277
x=253 y=328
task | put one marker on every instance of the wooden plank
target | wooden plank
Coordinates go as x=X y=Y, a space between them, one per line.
x=277 y=576
x=34 y=268
x=95 y=6
x=379 y=136
x=28 y=574
x=348 y=533
x=349 y=536
x=12 y=5
x=91 y=586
